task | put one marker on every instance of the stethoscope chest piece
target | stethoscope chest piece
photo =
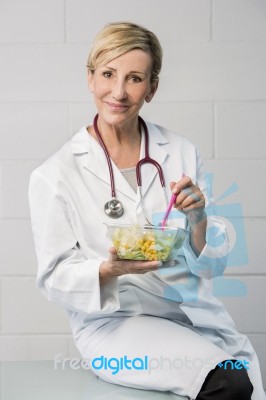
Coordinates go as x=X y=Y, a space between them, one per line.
x=114 y=209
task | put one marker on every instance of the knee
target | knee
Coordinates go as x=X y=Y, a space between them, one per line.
x=226 y=384
x=237 y=385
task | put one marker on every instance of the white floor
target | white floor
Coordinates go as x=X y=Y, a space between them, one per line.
x=41 y=381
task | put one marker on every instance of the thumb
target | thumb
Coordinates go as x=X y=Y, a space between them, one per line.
x=113 y=254
x=172 y=184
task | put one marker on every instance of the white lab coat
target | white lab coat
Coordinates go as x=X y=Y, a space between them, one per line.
x=67 y=195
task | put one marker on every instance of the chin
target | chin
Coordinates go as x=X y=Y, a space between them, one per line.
x=117 y=117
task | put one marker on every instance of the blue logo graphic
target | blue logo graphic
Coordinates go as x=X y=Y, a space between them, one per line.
x=235 y=256
x=234 y=364
x=118 y=364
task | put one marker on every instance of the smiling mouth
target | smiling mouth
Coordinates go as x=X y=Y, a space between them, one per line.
x=117 y=107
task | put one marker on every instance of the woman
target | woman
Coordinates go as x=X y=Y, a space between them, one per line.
x=136 y=309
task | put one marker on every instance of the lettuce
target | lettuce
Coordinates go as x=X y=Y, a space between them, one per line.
x=137 y=243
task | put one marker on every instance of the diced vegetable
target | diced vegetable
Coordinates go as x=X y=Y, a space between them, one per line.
x=133 y=243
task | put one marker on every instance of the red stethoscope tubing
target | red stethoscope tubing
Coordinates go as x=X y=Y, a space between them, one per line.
x=146 y=160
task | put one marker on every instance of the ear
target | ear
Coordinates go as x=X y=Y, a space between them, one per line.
x=90 y=81
x=153 y=89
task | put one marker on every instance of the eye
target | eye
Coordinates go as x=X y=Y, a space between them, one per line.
x=107 y=74
x=135 y=79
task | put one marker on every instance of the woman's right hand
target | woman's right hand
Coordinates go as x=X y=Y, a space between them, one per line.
x=116 y=267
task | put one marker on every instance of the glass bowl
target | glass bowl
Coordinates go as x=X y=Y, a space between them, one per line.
x=142 y=242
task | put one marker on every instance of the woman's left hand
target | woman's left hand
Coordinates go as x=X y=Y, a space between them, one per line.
x=190 y=200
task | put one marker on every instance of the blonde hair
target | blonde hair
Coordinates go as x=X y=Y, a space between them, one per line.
x=118 y=38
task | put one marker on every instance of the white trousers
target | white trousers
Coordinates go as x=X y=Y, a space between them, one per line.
x=178 y=358
x=180 y=355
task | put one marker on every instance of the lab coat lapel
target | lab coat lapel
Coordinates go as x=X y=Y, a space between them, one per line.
x=93 y=160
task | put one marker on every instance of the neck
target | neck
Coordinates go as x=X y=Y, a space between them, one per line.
x=122 y=142
x=121 y=135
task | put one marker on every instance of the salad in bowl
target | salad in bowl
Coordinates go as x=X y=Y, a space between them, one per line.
x=142 y=242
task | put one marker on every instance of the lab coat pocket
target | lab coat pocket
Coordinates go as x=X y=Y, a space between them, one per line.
x=129 y=302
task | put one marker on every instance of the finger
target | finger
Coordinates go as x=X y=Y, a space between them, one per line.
x=113 y=254
x=144 y=269
x=199 y=205
x=146 y=264
x=182 y=196
x=190 y=204
x=172 y=184
x=182 y=184
x=192 y=199
x=188 y=196
x=135 y=267
x=141 y=267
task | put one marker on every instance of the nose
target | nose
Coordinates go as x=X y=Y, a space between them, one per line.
x=119 y=90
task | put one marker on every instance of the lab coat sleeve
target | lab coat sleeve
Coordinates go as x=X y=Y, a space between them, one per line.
x=64 y=275
x=212 y=260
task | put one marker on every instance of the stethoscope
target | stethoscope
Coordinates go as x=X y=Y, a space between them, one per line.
x=114 y=208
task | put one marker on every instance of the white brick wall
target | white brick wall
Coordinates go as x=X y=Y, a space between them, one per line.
x=213 y=90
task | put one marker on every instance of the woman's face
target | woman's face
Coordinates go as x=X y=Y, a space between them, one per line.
x=121 y=86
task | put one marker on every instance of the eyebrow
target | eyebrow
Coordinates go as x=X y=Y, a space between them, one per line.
x=131 y=72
